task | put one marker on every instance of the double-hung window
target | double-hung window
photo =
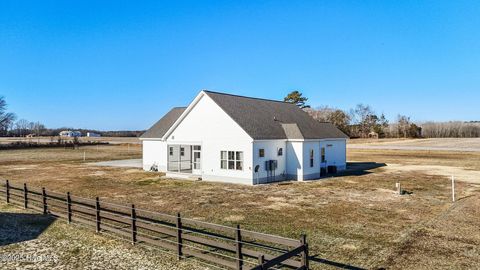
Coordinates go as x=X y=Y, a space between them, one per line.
x=231 y=160
x=223 y=160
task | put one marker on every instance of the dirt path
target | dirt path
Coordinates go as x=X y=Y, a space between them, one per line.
x=124 y=163
x=460 y=174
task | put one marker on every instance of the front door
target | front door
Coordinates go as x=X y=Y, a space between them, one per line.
x=197 y=160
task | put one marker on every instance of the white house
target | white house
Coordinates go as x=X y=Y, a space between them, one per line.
x=70 y=133
x=229 y=138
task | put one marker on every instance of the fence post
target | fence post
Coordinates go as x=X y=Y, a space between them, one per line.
x=261 y=261
x=44 y=197
x=179 y=236
x=303 y=240
x=97 y=214
x=7 y=187
x=25 y=196
x=238 y=244
x=69 y=208
x=134 y=225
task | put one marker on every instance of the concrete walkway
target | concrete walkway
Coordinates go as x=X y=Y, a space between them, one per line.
x=125 y=163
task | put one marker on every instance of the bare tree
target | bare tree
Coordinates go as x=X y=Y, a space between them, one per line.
x=22 y=127
x=455 y=129
x=365 y=120
x=321 y=114
x=337 y=117
x=403 y=125
x=38 y=128
x=6 y=118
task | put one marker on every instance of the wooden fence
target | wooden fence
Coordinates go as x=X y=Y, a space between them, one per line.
x=215 y=245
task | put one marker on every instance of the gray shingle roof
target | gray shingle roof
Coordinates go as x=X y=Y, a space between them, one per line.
x=292 y=131
x=265 y=119
x=161 y=127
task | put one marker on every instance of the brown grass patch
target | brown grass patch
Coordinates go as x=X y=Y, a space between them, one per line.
x=352 y=219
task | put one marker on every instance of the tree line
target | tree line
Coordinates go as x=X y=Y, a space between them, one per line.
x=11 y=127
x=456 y=129
x=363 y=122
x=359 y=122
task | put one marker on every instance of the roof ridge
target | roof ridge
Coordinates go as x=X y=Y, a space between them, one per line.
x=257 y=98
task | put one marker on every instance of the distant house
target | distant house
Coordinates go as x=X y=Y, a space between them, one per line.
x=237 y=139
x=92 y=134
x=70 y=133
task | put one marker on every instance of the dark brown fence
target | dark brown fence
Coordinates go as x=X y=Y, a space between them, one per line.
x=215 y=245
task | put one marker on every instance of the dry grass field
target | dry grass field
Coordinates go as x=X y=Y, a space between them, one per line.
x=352 y=220
x=445 y=144
x=57 y=245
x=111 y=140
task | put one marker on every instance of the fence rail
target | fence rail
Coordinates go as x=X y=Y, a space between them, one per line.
x=222 y=246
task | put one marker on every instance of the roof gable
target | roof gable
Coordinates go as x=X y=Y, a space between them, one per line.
x=292 y=131
x=261 y=119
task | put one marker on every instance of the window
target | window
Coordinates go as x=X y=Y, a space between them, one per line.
x=182 y=151
x=223 y=159
x=280 y=152
x=239 y=161
x=311 y=157
x=171 y=151
x=231 y=160
x=323 y=155
x=261 y=152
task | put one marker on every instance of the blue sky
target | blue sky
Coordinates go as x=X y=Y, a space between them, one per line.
x=123 y=64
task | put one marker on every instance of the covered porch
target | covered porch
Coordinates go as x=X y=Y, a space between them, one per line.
x=184 y=158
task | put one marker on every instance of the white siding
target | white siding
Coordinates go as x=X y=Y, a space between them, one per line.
x=311 y=172
x=335 y=153
x=298 y=157
x=294 y=160
x=209 y=126
x=154 y=153
x=271 y=153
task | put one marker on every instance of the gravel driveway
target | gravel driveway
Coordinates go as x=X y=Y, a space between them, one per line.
x=125 y=163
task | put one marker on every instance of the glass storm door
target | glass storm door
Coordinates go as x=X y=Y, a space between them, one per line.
x=197 y=159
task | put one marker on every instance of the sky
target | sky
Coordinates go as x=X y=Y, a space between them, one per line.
x=121 y=65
